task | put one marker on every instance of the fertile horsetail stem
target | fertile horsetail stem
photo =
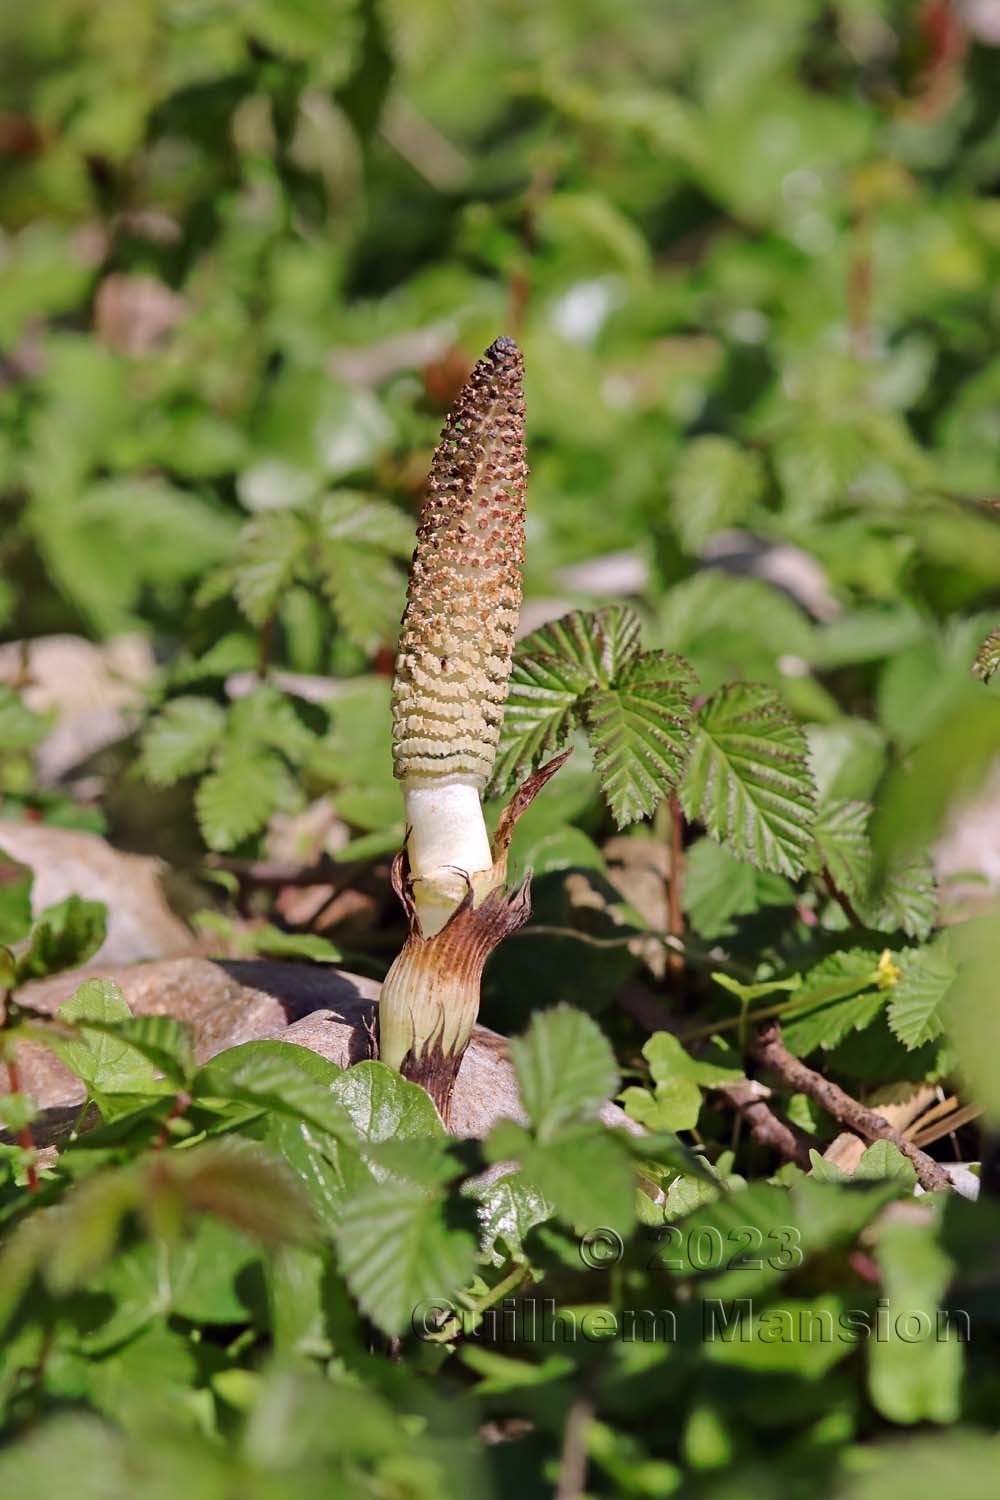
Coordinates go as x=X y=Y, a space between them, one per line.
x=451 y=680
x=458 y=633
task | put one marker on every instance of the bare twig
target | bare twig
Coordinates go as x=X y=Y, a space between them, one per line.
x=573 y=1462
x=769 y=1048
x=860 y=285
x=674 y=944
x=675 y=889
x=426 y=149
x=748 y=1097
x=279 y=872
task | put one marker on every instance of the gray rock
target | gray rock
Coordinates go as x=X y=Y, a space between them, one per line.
x=233 y=1001
x=66 y=863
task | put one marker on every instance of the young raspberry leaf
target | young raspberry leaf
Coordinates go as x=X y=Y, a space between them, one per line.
x=638 y=730
x=748 y=778
x=554 y=668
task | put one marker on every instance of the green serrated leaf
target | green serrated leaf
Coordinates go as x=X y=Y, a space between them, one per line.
x=366 y=590
x=239 y=795
x=384 y=1106
x=87 y=1227
x=358 y=539
x=64 y=936
x=267 y=717
x=276 y=1076
x=103 y=1058
x=238 y=1182
x=638 y=731
x=553 y=668
x=583 y=1172
x=350 y=516
x=748 y=778
x=841 y=834
x=180 y=740
x=907 y=900
x=841 y=994
x=267 y=558
x=715 y=485
x=402 y=1247
x=565 y=1068
x=915 y=1006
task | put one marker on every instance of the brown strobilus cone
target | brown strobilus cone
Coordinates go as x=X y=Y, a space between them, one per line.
x=452 y=672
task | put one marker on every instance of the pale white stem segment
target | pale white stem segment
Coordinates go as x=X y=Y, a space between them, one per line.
x=448 y=846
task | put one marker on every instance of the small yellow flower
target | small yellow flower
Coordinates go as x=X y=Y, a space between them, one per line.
x=889 y=974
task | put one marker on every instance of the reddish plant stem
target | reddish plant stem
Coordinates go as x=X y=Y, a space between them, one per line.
x=177 y=1109
x=265 y=643
x=25 y=1139
x=947 y=40
x=861 y=286
x=519 y=285
x=675 y=889
x=841 y=899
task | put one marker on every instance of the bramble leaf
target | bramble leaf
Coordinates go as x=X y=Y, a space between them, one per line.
x=358 y=539
x=841 y=834
x=366 y=591
x=180 y=740
x=839 y=995
x=915 y=1007
x=907 y=900
x=715 y=486
x=239 y=795
x=267 y=558
x=907 y=897
x=401 y=1246
x=554 y=668
x=748 y=778
x=64 y=936
x=583 y=1171
x=638 y=731
x=565 y=1068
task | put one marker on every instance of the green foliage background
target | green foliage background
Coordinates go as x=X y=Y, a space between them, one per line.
x=751 y=252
